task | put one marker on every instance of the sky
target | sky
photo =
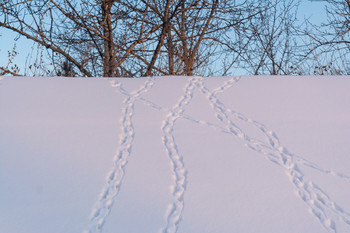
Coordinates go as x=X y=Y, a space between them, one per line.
x=308 y=9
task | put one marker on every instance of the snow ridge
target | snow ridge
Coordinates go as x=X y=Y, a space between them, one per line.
x=178 y=167
x=116 y=174
x=322 y=207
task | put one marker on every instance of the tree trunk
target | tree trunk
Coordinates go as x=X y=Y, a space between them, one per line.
x=170 y=52
x=109 y=57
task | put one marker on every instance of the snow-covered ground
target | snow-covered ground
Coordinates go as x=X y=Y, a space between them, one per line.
x=166 y=154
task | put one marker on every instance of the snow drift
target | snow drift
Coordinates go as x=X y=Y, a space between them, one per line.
x=175 y=154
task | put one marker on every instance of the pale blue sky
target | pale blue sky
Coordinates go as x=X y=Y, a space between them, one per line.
x=313 y=9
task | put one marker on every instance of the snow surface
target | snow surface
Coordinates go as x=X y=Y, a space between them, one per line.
x=166 y=154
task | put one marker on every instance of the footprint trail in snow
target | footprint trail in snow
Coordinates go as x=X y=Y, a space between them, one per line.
x=177 y=163
x=321 y=205
x=327 y=211
x=116 y=174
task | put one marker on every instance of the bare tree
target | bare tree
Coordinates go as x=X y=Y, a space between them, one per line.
x=187 y=26
x=329 y=43
x=10 y=67
x=95 y=36
x=132 y=38
x=194 y=35
x=268 y=42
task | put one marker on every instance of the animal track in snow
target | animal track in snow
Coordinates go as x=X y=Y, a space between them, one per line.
x=321 y=205
x=116 y=174
x=269 y=134
x=178 y=167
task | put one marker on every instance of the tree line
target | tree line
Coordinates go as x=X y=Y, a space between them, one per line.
x=134 y=38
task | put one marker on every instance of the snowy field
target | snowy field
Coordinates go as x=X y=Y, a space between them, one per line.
x=165 y=154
